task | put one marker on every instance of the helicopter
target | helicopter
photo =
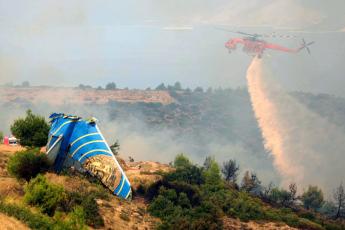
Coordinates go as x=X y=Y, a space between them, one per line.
x=254 y=45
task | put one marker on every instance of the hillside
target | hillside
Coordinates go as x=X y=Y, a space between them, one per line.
x=116 y=213
x=58 y=96
x=216 y=122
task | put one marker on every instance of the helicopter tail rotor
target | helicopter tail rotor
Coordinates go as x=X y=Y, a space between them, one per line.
x=306 y=45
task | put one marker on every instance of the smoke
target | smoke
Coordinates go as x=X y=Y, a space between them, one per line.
x=306 y=147
x=137 y=138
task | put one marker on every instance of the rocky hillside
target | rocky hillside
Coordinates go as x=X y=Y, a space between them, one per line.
x=116 y=213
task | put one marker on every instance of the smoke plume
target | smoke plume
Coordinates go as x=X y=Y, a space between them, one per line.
x=307 y=149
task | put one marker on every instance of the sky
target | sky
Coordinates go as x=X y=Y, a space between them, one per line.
x=141 y=43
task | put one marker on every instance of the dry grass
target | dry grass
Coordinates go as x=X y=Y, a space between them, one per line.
x=236 y=224
x=120 y=214
x=10 y=223
x=10 y=189
x=59 y=96
x=145 y=172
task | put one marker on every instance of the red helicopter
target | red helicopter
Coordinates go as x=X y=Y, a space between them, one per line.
x=256 y=47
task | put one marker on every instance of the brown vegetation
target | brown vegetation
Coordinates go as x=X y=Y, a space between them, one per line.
x=60 y=96
x=10 y=223
x=236 y=224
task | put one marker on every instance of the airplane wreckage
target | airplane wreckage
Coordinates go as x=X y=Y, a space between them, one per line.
x=79 y=143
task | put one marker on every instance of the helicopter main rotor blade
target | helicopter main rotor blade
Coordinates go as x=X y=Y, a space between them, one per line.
x=239 y=32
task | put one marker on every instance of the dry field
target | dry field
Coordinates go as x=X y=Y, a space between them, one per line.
x=67 y=96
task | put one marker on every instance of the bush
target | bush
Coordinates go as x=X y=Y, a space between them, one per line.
x=46 y=196
x=281 y=197
x=39 y=221
x=212 y=175
x=312 y=198
x=87 y=201
x=27 y=164
x=93 y=218
x=110 y=86
x=246 y=208
x=1 y=136
x=34 y=221
x=77 y=218
x=197 y=198
x=177 y=213
x=181 y=161
x=32 y=130
x=190 y=174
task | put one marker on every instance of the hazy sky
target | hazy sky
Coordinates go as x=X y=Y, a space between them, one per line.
x=140 y=43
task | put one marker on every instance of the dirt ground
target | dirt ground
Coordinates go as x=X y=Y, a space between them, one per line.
x=5 y=152
x=59 y=96
x=235 y=224
x=10 y=223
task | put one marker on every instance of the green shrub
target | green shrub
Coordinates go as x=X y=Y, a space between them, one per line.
x=161 y=207
x=87 y=201
x=27 y=164
x=190 y=174
x=34 y=221
x=76 y=219
x=307 y=224
x=46 y=196
x=176 y=211
x=197 y=198
x=32 y=130
x=181 y=161
x=38 y=221
x=192 y=191
x=247 y=208
x=93 y=218
x=312 y=198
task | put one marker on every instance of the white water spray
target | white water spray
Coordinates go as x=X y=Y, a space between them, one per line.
x=307 y=149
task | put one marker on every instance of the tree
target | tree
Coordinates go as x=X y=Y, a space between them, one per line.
x=281 y=197
x=198 y=90
x=212 y=174
x=1 y=136
x=293 y=192
x=177 y=86
x=25 y=84
x=83 y=87
x=208 y=161
x=267 y=191
x=110 y=86
x=188 y=90
x=328 y=209
x=251 y=183
x=230 y=171
x=131 y=159
x=27 y=164
x=181 y=161
x=161 y=87
x=115 y=147
x=32 y=131
x=312 y=198
x=339 y=198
